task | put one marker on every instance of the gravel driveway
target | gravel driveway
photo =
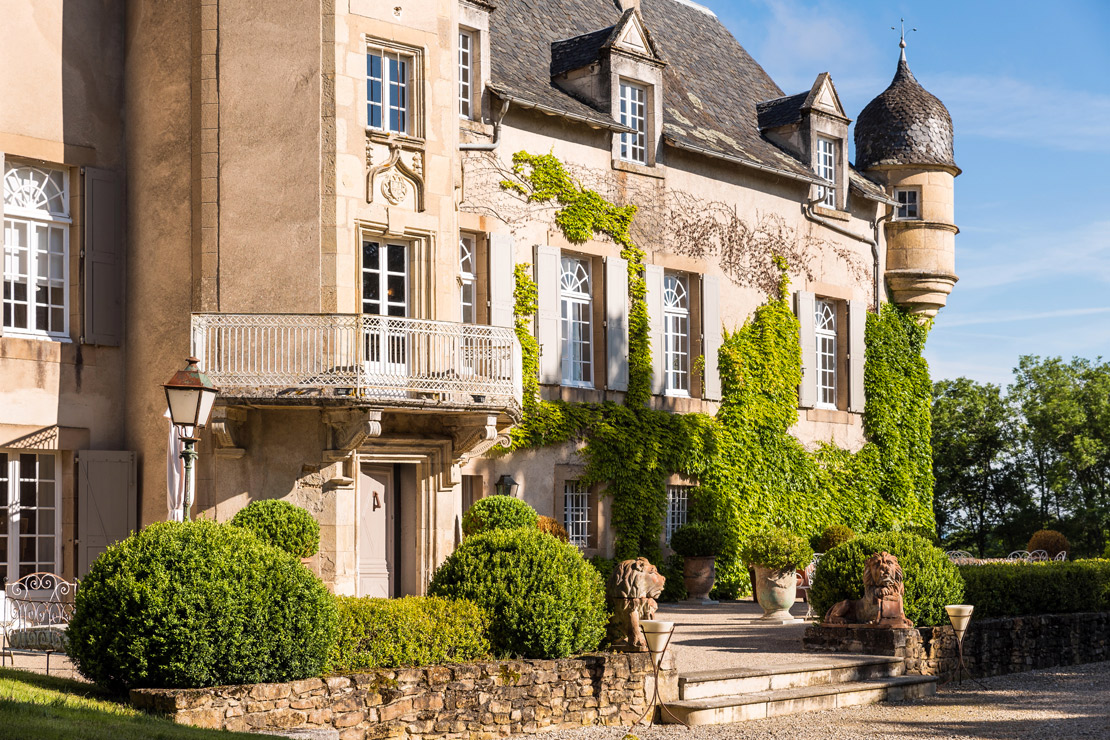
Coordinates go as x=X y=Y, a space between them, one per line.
x=1050 y=704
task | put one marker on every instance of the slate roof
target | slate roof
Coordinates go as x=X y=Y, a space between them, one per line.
x=711 y=84
x=780 y=111
x=905 y=124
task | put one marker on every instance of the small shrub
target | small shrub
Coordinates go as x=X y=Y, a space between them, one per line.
x=604 y=566
x=1050 y=541
x=925 y=532
x=698 y=540
x=543 y=599
x=777 y=549
x=193 y=604
x=498 y=512
x=930 y=580
x=553 y=528
x=1014 y=590
x=830 y=537
x=411 y=631
x=281 y=524
x=675 y=587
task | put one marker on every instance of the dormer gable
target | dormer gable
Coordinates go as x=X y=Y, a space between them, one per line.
x=822 y=98
x=631 y=35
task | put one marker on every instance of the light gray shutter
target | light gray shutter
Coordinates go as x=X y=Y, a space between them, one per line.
x=501 y=281
x=653 y=274
x=616 y=322
x=107 y=509
x=857 y=351
x=2 y=174
x=712 y=329
x=547 y=274
x=103 y=251
x=806 y=305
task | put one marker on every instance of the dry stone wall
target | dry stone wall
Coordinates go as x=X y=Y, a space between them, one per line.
x=991 y=647
x=476 y=700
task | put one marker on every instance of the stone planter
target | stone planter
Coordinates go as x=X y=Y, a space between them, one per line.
x=699 y=575
x=776 y=590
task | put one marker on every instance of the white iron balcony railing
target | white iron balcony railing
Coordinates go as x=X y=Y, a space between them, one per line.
x=395 y=359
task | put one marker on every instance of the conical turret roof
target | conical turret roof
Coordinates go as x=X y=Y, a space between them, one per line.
x=905 y=124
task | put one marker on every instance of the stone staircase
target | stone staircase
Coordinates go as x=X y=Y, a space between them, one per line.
x=829 y=682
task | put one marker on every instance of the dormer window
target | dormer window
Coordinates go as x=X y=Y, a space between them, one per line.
x=466 y=73
x=633 y=113
x=389 y=83
x=826 y=168
x=908 y=206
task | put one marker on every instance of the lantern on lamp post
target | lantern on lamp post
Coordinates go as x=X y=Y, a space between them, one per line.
x=505 y=486
x=190 y=395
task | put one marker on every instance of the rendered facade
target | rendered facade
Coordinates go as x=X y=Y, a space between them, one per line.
x=307 y=196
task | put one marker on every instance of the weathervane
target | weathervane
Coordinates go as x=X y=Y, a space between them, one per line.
x=902 y=41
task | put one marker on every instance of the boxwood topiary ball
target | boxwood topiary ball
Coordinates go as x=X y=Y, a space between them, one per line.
x=544 y=600
x=498 y=512
x=192 y=604
x=281 y=524
x=931 y=581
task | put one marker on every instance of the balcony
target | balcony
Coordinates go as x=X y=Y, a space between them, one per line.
x=360 y=359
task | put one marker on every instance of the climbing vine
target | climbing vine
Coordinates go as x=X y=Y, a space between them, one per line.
x=751 y=471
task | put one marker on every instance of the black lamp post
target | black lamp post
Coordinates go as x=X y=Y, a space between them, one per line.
x=190 y=395
x=505 y=486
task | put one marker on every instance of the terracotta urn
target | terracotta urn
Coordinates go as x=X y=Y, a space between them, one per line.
x=699 y=575
x=776 y=590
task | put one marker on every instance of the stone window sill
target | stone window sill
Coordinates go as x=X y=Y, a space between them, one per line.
x=831 y=416
x=639 y=169
x=832 y=213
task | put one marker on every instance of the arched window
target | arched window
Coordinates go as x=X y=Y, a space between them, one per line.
x=825 y=329
x=36 y=250
x=576 y=308
x=676 y=333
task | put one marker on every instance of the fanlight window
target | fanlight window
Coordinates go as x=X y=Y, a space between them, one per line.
x=825 y=331
x=35 y=191
x=676 y=334
x=576 y=276
x=576 y=309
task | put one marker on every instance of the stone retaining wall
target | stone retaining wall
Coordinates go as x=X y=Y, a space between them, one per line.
x=991 y=646
x=475 y=700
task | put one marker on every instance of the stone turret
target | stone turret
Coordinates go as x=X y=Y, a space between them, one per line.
x=904 y=140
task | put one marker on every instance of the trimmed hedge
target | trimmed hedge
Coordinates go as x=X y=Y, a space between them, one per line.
x=930 y=580
x=498 y=512
x=543 y=599
x=281 y=524
x=698 y=540
x=1020 y=589
x=411 y=631
x=830 y=537
x=193 y=604
x=777 y=549
x=553 y=528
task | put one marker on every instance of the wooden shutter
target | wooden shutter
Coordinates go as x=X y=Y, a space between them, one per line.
x=654 y=277
x=103 y=252
x=107 y=508
x=501 y=280
x=2 y=174
x=616 y=322
x=547 y=274
x=805 y=304
x=857 y=351
x=711 y=330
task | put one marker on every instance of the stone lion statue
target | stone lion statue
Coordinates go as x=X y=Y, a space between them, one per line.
x=883 y=591
x=631 y=594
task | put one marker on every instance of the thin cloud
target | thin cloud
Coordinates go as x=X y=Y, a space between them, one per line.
x=1082 y=251
x=1037 y=316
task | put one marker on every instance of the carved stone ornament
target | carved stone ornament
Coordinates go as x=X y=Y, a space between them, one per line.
x=396 y=173
x=882 y=602
x=631 y=593
x=350 y=429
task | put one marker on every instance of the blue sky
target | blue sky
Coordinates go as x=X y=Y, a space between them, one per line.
x=1027 y=86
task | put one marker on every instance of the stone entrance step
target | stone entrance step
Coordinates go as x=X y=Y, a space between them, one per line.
x=763 y=704
x=821 y=671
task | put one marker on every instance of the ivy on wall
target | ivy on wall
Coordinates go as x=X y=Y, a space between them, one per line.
x=751 y=472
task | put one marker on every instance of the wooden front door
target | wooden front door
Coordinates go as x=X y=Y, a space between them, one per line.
x=376 y=523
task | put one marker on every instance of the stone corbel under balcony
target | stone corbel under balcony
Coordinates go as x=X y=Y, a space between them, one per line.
x=227 y=430
x=350 y=428
x=474 y=437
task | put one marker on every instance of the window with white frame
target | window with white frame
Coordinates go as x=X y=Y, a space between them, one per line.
x=633 y=113
x=468 y=279
x=678 y=499
x=826 y=168
x=466 y=73
x=36 y=251
x=676 y=333
x=825 y=329
x=29 y=513
x=385 y=282
x=576 y=512
x=576 y=309
x=389 y=84
x=907 y=204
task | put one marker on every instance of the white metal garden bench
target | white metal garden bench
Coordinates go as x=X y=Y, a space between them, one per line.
x=34 y=614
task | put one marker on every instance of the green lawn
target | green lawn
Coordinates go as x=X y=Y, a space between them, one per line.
x=37 y=707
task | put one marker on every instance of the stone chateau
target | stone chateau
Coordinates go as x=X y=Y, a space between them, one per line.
x=306 y=194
